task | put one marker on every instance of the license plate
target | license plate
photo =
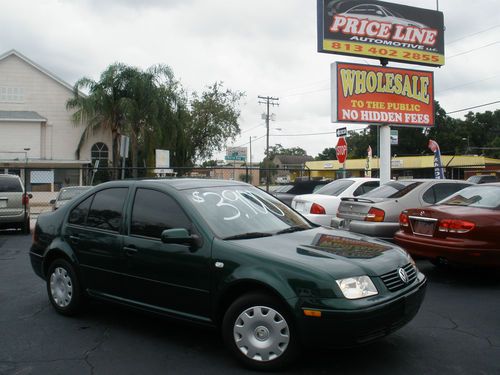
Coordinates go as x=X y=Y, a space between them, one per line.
x=299 y=206
x=425 y=228
x=3 y=203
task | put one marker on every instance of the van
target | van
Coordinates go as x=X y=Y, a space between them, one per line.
x=14 y=203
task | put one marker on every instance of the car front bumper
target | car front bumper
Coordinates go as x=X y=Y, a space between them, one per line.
x=347 y=328
x=465 y=252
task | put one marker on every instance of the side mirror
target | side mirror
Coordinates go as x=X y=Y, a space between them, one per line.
x=180 y=236
x=52 y=201
x=30 y=195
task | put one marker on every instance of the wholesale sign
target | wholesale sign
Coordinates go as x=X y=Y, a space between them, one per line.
x=379 y=95
x=377 y=29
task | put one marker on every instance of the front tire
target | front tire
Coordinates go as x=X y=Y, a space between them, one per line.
x=63 y=287
x=259 y=332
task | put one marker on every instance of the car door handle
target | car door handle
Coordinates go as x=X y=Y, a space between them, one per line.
x=74 y=238
x=130 y=250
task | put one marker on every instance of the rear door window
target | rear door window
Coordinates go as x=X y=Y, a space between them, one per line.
x=78 y=215
x=106 y=209
x=440 y=191
x=366 y=187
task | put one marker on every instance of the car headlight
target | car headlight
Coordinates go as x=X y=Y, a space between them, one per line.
x=357 y=287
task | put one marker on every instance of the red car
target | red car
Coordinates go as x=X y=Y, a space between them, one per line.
x=464 y=228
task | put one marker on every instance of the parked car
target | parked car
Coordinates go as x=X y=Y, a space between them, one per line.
x=285 y=193
x=379 y=13
x=377 y=212
x=14 y=203
x=462 y=228
x=66 y=194
x=482 y=178
x=229 y=255
x=321 y=207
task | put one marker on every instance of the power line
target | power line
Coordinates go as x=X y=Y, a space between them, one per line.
x=476 y=106
x=472 y=50
x=473 y=34
x=468 y=83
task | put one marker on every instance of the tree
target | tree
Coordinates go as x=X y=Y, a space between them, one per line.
x=212 y=120
x=327 y=154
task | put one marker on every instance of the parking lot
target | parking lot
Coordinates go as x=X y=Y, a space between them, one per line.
x=457 y=331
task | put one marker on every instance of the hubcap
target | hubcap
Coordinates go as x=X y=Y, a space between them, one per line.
x=61 y=287
x=261 y=333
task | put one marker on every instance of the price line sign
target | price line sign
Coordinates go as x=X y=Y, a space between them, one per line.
x=377 y=29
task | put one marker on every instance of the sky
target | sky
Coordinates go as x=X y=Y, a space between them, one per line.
x=260 y=47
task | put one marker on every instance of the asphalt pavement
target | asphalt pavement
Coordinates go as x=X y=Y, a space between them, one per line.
x=457 y=331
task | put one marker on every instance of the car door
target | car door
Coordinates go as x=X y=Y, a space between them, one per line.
x=93 y=232
x=168 y=276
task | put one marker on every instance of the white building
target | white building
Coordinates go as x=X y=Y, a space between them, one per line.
x=36 y=128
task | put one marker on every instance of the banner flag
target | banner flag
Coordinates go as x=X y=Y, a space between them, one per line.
x=438 y=167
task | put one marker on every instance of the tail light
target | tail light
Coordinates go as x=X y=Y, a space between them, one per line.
x=26 y=199
x=455 y=226
x=375 y=214
x=317 y=209
x=404 y=221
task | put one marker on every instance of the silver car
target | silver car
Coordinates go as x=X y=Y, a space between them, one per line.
x=14 y=203
x=377 y=212
x=66 y=194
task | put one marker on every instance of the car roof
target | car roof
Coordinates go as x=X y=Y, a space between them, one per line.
x=193 y=183
x=9 y=176
x=431 y=180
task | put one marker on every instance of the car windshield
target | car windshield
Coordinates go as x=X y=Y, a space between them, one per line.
x=335 y=188
x=67 y=194
x=392 y=189
x=475 y=196
x=232 y=211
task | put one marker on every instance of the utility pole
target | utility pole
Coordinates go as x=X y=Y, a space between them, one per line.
x=268 y=100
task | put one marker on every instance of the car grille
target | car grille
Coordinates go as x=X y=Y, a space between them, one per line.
x=393 y=282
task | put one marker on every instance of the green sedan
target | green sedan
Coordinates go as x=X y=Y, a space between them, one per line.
x=225 y=254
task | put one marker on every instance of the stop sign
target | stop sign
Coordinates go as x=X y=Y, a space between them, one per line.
x=341 y=150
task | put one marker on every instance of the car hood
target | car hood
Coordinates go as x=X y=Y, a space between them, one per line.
x=337 y=253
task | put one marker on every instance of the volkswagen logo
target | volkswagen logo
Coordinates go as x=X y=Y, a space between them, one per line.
x=402 y=275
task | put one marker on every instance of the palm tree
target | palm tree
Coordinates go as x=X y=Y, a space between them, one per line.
x=104 y=108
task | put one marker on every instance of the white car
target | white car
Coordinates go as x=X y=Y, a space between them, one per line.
x=375 y=12
x=322 y=206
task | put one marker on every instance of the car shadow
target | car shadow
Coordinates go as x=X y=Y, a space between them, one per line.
x=471 y=276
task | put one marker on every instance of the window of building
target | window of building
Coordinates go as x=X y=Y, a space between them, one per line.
x=11 y=94
x=99 y=151
x=153 y=212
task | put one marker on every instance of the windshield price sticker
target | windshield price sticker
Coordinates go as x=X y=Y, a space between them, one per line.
x=237 y=203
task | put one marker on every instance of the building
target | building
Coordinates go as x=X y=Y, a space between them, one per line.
x=455 y=167
x=289 y=167
x=36 y=129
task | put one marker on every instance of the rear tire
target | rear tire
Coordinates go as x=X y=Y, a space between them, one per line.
x=259 y=332
x=63 y=288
